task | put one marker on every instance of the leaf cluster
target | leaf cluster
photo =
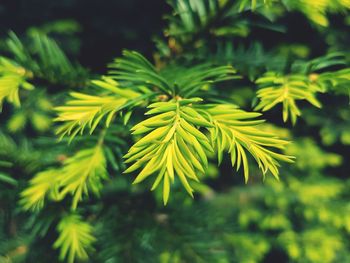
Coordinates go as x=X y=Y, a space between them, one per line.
x=307 y=78
x=75 y=238
x=79 y=175
x=176 y=145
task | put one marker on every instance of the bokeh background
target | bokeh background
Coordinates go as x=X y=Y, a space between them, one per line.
x=304 y=217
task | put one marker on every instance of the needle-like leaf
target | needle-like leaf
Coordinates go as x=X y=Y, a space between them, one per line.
x=172 y=147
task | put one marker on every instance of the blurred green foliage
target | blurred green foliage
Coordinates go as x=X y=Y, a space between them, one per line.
x=286 y=54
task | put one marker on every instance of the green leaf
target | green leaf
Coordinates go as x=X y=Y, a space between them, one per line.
x=188 y=81
x=12 y=77
x=88 y=110
x=235 y=133
x=82 y=173
x=45 y=59
x=286 y=90
x=173 y=147
x=43 y=184
x=75 y=238
x=5 y=178
x=133 y=68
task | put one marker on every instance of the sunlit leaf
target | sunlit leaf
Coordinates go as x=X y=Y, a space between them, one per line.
x=173 y=146
x=235 y=131
x=286 y=90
